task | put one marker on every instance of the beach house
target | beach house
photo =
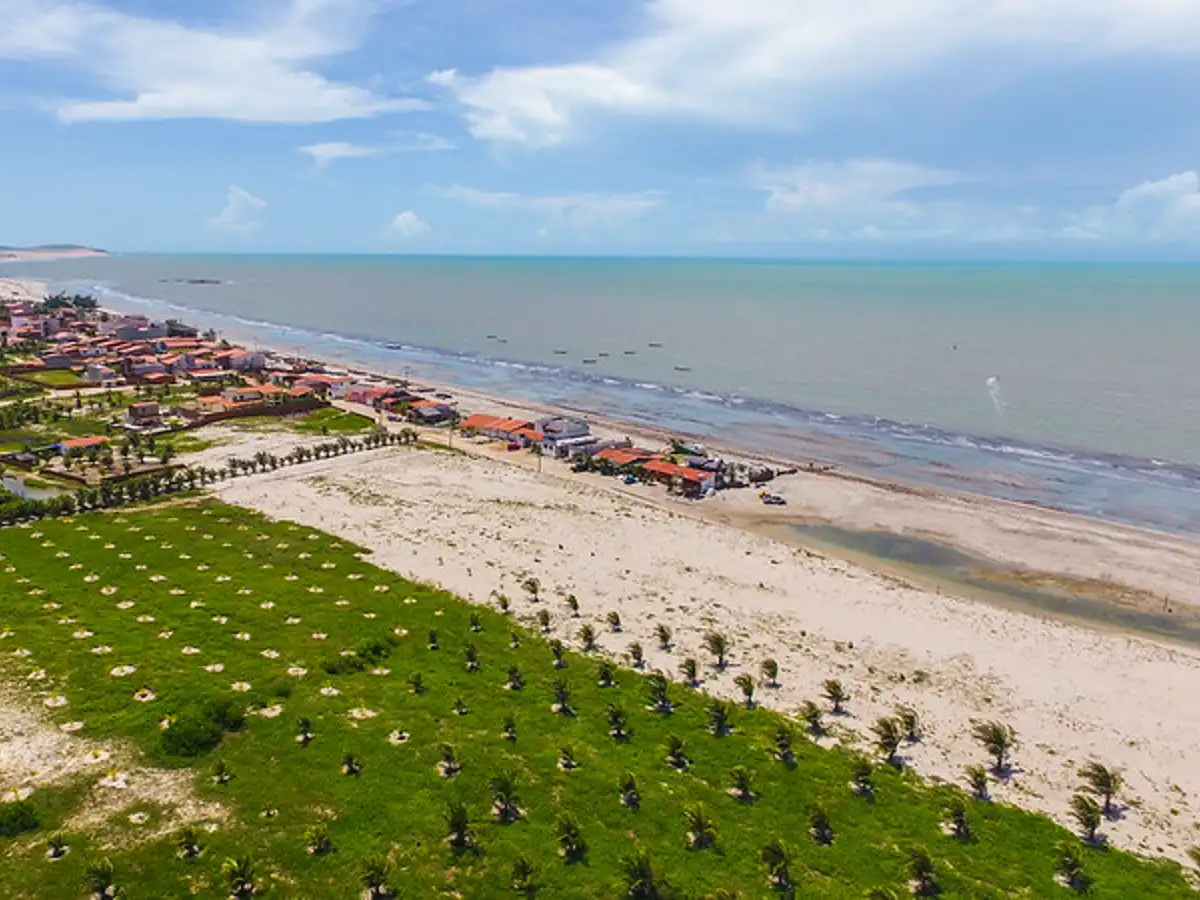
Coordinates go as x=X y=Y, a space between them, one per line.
x=688 y=481
x=144 y=415
x=99 y=375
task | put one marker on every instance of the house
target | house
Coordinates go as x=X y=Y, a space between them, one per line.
x=52 y=361
x=144 y=415
x=79 y=445
x=626 y=456
x=237 y=396
x=98 y=375
x=177 y=329
x=135 y=328
x=561 y=428
x=247 y=361
x=430 y=412
x=692 y=482
x=477 y=423
x=206 y=376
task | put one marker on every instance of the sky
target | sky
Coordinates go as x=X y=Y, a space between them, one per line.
x=808 y=128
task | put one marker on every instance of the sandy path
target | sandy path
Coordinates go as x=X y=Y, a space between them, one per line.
x=478 y=526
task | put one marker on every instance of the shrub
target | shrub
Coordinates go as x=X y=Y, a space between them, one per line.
x=17 y=818
x=198 y=729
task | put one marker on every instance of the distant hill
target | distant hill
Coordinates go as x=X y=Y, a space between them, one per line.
x=43 y=248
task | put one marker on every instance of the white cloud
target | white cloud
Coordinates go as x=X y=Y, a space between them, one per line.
x=240 y=215
x=324 y=154
x=1164 y=210
x=407 y=225
x=581 y=212
x=404 y=142
x=770 y=61
x=145 y=68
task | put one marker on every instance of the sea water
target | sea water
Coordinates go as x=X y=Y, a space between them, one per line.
x=1072 y=386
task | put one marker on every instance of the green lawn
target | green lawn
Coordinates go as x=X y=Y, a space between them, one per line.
x=59 y=378
x=187 y=564
x=333 y=421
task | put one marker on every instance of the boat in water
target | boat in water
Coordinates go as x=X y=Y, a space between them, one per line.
x=589 y=361
x=683 y=368
x=656 y=345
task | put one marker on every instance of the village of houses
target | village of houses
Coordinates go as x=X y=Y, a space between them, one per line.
x=178 y=379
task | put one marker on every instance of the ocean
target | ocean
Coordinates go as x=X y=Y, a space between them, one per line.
x=1070 y=386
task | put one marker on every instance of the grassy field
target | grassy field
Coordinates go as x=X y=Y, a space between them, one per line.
x=300 y=625
x=59 y=378
x=333 y=421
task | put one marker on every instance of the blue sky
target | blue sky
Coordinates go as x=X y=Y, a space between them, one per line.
x=1056 y=128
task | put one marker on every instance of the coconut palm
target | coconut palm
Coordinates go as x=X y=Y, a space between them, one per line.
x=663 y=635
x=459 y=833
x=1103 y=782
x=676 y=757
x=433 y=640
x=701 y=830
x=819 y=828
x=606 y=674
x=741 y=783
x=571 y=845
x=505 y=803
x=304 y=732
x=998 y=740
x=514 y=640
x=921 y=872
x=532 y=587
x=572 y=605
x=1194 y=855
x=100 y=879
x=471 y=658
x=556 y=648
x=718 y=645
x=460 y=707
x=888 y=737
x=416 y=683
x=660 y=700
x=977 y=781
x=638 y=876
x=777 y=859
x=860 y=777
x=719 y=715
x=618 y=723
x=1086 y=813
x=509 y=732
x=351 y=764
x=745 y=684
x=637 y=655
x=524 y=875
x=836 y=695
x=587 y=637
x=448 y=763
x=188 y=843
x=566 y=759
x=57 y=846
x=1068 y=865
x=813 y=718
x=543 y=620
x=373 y=876
x=690 y=670
x=515 y=680
x=770 y=672
x=630 y=796
x=239 y=874
x=504 y=604
x=784 y=739
x=475 y=623
x=956 y=817
x=222 y=774
x=561 y=691
x=317 y=840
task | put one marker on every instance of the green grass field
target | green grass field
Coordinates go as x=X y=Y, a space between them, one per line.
x=333 y=421
x=301 y=625
x=59 y=378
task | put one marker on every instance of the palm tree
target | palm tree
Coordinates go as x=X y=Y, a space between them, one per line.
x=956 y=815
x=1086 y=813
x=745 y=684
x=448 y=765
x=516 y=680
x=566 y=759
x=524 y=875
x=514 y=640
x=543 y=620
x=701 y=830
x=977 y=781
x=351 y=764
x=57 y=846
x=637 y=655
x=505 y=604
x=783 y=740
x=614 y=621
x=532 y=587
x=188 y=843
x=476 y=624
x=629 y=791
x=509 y=732
x=416 y=683
x=1068 y=865
x=777 y=859
x=836 y=695
x=460 y=707
x=663 y=634
x=690 y=670
x=676 y=757
x=617 y=723
x=770 y=671
x=459 y=834
x=660 y=700
x=813 y=718
x=562 y=697
x=571 y=845
x=741 y=784
x=719 y=716
x=909 y=723
x=638 y=875
x=819 y=828
x=998 y=740
x=433 y=640
x=556 y=648
x=1103 y=782
x=587 y=637
x=717 y=644
x=222 y=774
x=99 y=878
x=239 y=875
x=373 y=876
x=606 y=674
x=317 y=840
x=572 y=605
x=505 y=803
x=860 y=777
x=888 y=737
x=921 y=872
x=471 y=658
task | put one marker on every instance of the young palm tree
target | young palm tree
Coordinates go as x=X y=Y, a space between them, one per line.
x=718 y=645
x=719 y=716
x=448 y=764
x=373 y=876
x=629 y=791
x=1068 y=865
x=317 y=840
x=676 y=757
x=813 y=718
x=691 y=672
x=543 y=620
x=516 y=680
x=566 y=759
x=745 y=684
x=860 y=777
x=524 y=875
x=1103 y=782
x=471 y=658
x=188 y=843
x=532 y=587
x=909 y=723
x=777 y=859
x=956 y=817
x=888 y=737
x=921 y=872
x=638 y=876
x=1194 y=855
x=660 y=699
x=304 y=732
x=571 y=845
x=819 y=828
x=701 y=830
x=433 y=640
x=57 y=846
x=770 y=672
x=514 y=641
x=239 y=874
x=618 y=723
x=637 y=655
x=606 y=674
x=572 y=605
x=504 y=605
x=784 y=740
x=505 y=803
x=562 y=697
x=587 y=637
x=351 y=764
x=222 y=774
x=476 y=624
x=977 y=781
x=836 y=695
x=741 y=784
x=459 y=834
x=1086 y=813
x=416 y=683
x=556 y=648
x=998 y=740
x=509 y=733
x=663 y=635
x=460 y=707
x=100 y=879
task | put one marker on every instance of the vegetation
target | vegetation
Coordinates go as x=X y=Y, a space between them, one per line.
x=662 y=811
x=1102 y=781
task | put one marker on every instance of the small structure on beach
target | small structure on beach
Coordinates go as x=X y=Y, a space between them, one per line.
x=430 y=412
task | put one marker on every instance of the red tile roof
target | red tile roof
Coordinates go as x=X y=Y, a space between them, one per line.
x=94 y=440
x=479 y=422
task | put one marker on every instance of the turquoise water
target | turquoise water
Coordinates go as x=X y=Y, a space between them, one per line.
x=1072 y=386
